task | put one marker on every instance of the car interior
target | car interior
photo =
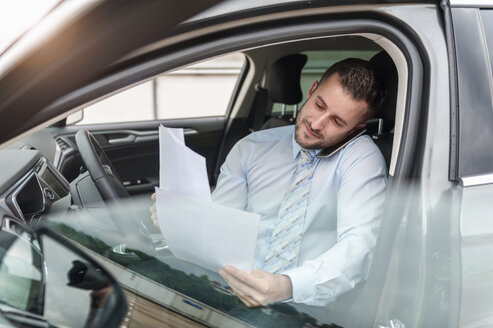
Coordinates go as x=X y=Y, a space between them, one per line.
x=270 y=79
x=41 y=173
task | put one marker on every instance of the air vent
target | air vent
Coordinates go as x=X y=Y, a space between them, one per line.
x=64 y=148
x=63 y=144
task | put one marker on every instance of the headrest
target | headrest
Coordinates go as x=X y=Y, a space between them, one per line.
x=283 y=79
x=387 y=73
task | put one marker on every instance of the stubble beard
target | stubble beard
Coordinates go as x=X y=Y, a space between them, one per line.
x=298 y=135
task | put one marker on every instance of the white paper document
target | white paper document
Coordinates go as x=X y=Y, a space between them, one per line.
x=196 y=229
x=207 y=234
x=181 y=170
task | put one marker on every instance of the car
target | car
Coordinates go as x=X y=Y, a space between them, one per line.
x=215 y=69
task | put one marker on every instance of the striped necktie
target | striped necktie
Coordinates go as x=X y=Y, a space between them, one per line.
x=284 y=245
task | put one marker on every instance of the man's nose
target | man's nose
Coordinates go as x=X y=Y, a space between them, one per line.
x=319 y=122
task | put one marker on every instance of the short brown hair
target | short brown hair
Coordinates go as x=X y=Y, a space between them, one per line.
x=358 y=78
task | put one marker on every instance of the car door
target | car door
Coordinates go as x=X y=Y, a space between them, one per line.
x=473 y=31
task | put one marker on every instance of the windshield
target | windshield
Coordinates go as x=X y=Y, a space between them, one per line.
x=19 y=16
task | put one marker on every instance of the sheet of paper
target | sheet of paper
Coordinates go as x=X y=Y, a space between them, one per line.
x=207 y=234
x=181 y=170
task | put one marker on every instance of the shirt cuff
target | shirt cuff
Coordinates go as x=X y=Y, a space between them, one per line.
x=302 y=280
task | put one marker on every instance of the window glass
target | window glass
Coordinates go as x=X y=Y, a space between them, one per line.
x=199 y=90
x=71 y=277
x=473 y=36
x=317 y=63
x=487 y=17
x=134 y=104
x=21 y=278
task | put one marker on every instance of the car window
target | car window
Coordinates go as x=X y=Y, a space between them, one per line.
x=184 y=287
x=487 y=17
x=39 y=274
x=203 y=89
x=72 y=277
x=473 y=39
x=317 y=63
x=21 y=271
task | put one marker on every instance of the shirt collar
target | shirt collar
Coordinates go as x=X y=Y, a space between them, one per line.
x=297 y=148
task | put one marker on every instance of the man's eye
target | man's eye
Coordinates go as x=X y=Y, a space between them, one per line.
x=319 y=105
x=337 y=122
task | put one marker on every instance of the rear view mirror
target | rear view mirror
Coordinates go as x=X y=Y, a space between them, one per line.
x=46 y=280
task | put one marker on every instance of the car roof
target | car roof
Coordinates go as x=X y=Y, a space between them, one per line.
x=100 y=34
x=229 y=7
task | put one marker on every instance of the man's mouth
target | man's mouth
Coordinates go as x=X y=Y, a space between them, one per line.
x=310 y=132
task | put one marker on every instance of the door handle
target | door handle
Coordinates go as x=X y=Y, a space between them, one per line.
x=128 y=139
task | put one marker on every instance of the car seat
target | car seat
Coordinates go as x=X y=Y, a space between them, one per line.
x=387 y=73
x=282 y=86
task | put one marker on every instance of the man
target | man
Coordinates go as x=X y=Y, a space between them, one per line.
x=319 y=216
x=346 y=191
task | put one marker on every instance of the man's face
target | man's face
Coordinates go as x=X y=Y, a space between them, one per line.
x=329 y=115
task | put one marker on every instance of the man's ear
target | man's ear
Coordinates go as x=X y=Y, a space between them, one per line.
x=314 y=86
x=358 y=127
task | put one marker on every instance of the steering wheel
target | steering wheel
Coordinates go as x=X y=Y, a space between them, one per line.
x=112 y=190
x=101 y=170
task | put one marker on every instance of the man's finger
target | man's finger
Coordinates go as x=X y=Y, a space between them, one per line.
x=242 y=276
x=234 y=282
x=152 y=209
x=239 y=286
x=248 y=301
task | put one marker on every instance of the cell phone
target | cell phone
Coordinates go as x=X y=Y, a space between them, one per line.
x=327 y=152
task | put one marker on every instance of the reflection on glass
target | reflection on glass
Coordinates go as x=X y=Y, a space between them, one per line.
x=157 y=275
x=75 y=286
x=45 y=283
x=21 y=271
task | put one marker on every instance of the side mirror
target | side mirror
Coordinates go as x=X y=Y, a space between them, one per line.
x=46 y=278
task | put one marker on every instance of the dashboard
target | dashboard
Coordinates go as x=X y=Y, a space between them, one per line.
x=29 y=184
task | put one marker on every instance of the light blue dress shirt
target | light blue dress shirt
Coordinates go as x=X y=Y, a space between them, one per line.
x=343 y=213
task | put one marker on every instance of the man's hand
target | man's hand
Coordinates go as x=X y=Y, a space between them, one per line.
x=259 y=287
x=153 y=210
